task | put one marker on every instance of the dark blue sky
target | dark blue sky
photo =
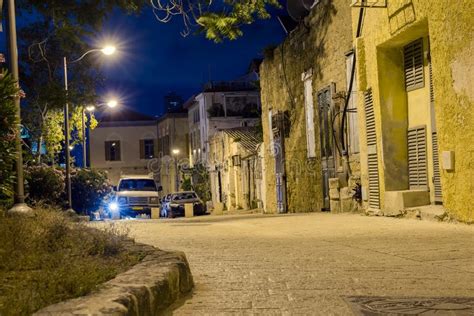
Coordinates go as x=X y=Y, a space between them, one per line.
x=155 y=59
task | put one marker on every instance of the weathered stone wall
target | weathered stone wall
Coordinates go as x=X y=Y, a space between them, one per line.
x=320 y=44
x=450 y=28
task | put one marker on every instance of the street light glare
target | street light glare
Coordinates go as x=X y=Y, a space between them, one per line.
x=90 y=108
x=112 y=103
x=108 y=50
x=175 y=151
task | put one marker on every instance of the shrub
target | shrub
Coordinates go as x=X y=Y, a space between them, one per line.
x=45 y=259
x=45 y=184
x=89 y=188
x=7 y=138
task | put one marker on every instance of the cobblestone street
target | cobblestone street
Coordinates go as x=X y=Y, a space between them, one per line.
x=310 y=263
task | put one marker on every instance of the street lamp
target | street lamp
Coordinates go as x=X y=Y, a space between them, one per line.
x=91 y=108
x=175 y=154
x=108 y=50
x=20 y=206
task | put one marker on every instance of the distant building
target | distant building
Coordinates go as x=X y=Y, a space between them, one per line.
x=221 y=105
x=173 y=102
x=173 y=135
x=123 y=143
x=236 y=169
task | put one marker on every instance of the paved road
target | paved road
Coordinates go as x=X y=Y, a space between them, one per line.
x=307 y=264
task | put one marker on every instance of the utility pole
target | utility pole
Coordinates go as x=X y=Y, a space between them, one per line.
x=20 y=206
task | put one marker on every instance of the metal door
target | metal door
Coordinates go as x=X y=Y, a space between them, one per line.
x=326 y=141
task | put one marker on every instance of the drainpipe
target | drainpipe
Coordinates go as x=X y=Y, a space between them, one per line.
x=345 y=151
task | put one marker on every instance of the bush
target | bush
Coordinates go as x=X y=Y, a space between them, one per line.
x=89 y=188
x=45 y=184
x=45 y=259
x=7 y=138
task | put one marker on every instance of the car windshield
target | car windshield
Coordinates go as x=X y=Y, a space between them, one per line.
x=184 y=196
x=137 y=185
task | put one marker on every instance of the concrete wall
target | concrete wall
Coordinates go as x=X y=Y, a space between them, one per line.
x=450 y=28
x=320 y=47
x=129 y=136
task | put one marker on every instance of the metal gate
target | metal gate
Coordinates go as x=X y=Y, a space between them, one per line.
x=327 y=148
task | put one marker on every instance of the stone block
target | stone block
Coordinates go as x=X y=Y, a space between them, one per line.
x=333 y=183
x=345 y=193
x=155 y=212
x=334 y=194
x=335 y=206
x=188 y=210
x=397 y=201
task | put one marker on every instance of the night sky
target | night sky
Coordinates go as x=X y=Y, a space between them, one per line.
x=155 y=59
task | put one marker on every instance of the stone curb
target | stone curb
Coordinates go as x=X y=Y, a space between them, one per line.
x=148 y=288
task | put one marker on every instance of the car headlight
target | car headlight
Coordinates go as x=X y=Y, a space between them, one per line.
x=154 y=200
x=113 y=206
x=122 y=200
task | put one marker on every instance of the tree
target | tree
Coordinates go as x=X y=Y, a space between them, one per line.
x=8 y=131
x=218 y=20
x=58 y=29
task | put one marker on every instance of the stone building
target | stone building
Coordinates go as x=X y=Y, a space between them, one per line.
x=123 y=143
x=221 y=105
x=304 y=83
x=415 y=76
x=172 y=151
x=235 y=169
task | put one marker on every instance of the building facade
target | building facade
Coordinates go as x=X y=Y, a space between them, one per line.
x=235 y=169
x=304 y=84
x=414 y=73
x=172 y=151
x=221 y=105
x=123 y=144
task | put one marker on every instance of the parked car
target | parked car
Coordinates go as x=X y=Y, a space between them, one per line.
x=134 y=195
x=174 y=206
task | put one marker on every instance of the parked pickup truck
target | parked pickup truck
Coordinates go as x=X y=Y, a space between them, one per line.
x=134 y=196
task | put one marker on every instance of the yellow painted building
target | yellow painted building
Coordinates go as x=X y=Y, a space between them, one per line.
x=415 y=80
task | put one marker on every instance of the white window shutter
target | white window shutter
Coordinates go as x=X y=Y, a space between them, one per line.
x=372 y=157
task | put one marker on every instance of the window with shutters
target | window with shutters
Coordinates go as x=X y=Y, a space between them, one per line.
x=309 y=113
x=372 y=157
x=147 y=148
x=417 y=166
x=112 y=150
x=413 y=65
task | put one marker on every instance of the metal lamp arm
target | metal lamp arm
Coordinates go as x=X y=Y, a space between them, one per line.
x=84 y=55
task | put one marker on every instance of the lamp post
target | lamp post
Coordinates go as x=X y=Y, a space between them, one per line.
x=89 y=109
x=175 y=154
x=109 y=50
x=20 y=206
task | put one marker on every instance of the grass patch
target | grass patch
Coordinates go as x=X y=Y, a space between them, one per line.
x=46 y=258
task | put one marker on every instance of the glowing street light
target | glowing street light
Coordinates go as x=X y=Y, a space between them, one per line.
x=175 y=151
x=90 y=108
x=112 y=103
x=108 y=50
